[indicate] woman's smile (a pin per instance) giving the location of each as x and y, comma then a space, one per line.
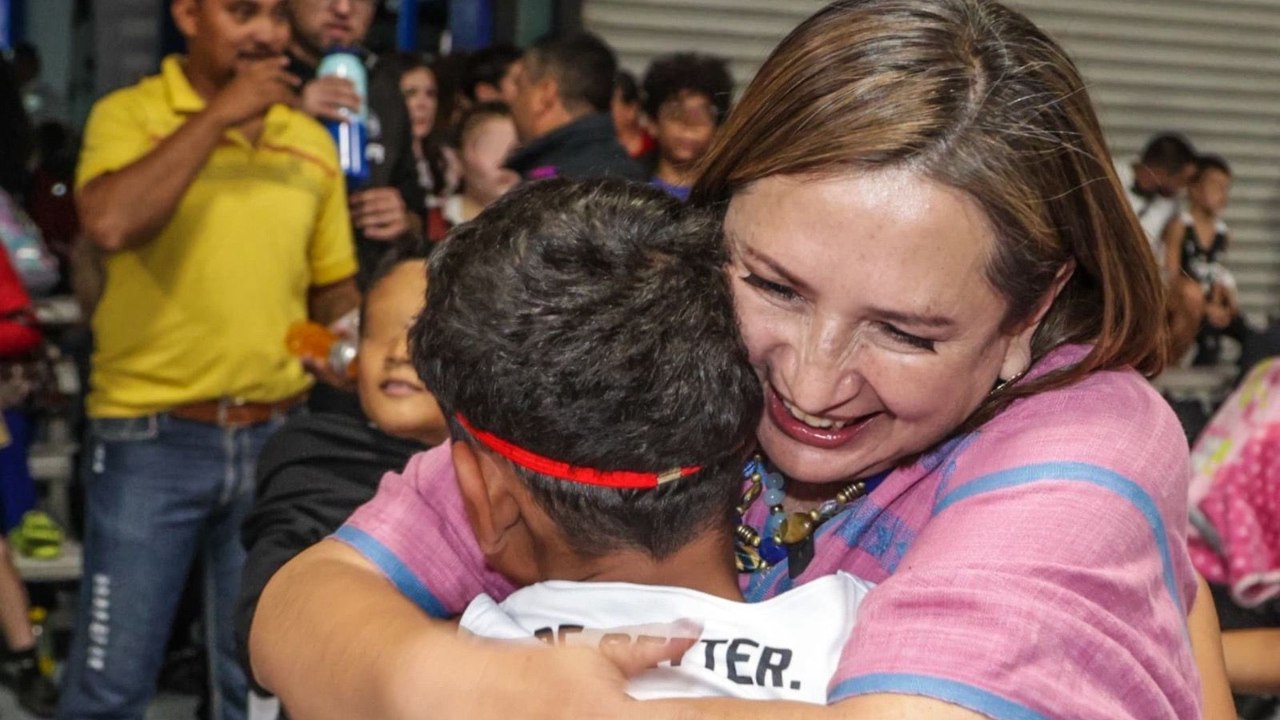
815, 430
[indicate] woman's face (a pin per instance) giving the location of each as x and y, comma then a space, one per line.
865, 307
484, 151
419, 88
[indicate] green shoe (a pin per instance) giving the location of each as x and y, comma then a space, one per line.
37, 536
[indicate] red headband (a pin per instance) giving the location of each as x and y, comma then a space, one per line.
564, 471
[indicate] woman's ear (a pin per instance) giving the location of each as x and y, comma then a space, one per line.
1017, 357
491, 509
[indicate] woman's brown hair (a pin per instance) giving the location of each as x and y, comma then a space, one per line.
972, 95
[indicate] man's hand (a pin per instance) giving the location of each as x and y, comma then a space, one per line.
379, 213
326, 97
257, 86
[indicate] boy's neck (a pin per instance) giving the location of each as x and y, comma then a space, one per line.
672, 174
705, 565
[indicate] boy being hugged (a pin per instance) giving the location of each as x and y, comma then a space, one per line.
581, 341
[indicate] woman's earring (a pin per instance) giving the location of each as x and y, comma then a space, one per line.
1006, 383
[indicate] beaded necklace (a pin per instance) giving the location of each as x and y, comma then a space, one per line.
785, 536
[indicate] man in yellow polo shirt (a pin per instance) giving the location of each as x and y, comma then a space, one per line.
224, 217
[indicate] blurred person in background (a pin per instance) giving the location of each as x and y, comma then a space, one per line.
1153, 184
489, 74
629, 120
1196, 241
686, 96
391, 205
421, 92
223, 217
486, 137
1235, 532
19, 336
561, 111
1155, 181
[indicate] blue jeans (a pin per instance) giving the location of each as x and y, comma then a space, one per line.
158, 491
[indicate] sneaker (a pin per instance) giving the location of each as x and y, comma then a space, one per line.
36, 692
37, 536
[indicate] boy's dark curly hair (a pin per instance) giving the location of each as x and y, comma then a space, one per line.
669, 75
592, 323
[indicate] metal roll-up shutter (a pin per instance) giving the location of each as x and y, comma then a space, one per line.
742, 31
1208, 68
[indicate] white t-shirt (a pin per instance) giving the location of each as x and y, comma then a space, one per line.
1153, 213
784, 648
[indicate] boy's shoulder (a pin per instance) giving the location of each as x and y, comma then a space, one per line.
783, 648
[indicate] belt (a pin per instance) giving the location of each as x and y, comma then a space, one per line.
233, 412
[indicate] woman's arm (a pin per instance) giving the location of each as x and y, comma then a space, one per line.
1253, 660
330, 634
1206, 642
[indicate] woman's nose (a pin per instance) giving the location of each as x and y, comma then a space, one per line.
826, 373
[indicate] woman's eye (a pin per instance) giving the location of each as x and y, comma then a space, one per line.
907, 338
781, 291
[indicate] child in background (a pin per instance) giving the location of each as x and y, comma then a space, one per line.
318, 468
686, 96
486, 136
1195, 243
582, 343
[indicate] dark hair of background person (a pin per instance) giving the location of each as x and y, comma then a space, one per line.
477, 114
969, 94
1170, 152
583, 66
406, 249
450, 96
624, 83
668, 75
592, 323
1210, 161
15, 134
488, 66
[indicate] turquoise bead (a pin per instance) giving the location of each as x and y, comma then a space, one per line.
774, 496
773, 523
774, 481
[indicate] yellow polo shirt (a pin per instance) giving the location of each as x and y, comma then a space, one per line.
201, 311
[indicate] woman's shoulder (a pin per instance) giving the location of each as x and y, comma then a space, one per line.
1111, 420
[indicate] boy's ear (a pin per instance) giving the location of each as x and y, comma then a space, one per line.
491, 508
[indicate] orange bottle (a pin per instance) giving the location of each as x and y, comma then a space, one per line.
313, 341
